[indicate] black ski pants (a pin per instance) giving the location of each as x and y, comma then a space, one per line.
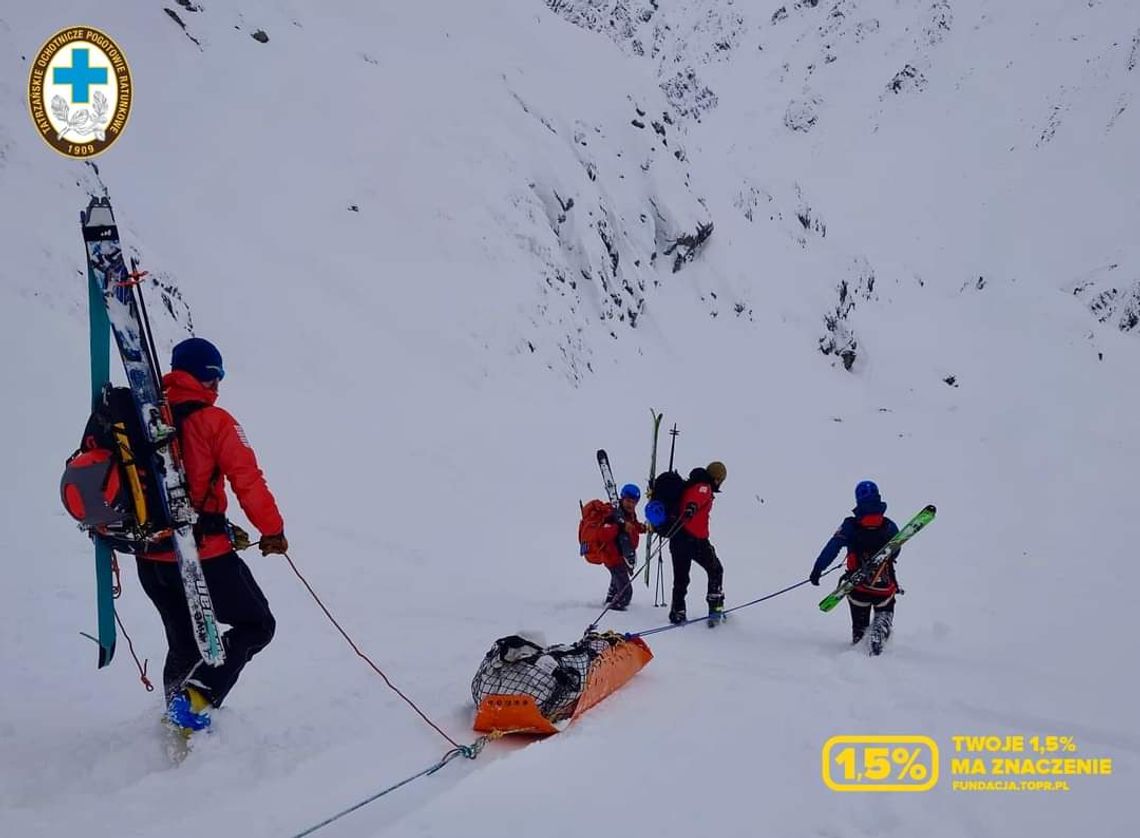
861, 603
238, 602
685, 550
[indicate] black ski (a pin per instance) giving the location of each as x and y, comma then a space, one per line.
627, 551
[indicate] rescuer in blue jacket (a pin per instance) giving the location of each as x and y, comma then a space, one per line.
863, 534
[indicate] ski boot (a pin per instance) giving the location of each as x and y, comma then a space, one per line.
188, 711
716, 609
676, 616
857, 635
880, 631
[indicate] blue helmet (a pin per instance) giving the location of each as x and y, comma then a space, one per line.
865, 491
630, 490
655, 513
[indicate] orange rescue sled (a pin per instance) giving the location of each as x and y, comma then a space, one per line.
520, 713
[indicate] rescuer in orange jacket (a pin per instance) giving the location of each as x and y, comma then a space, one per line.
214, 449
600, 538
621, 588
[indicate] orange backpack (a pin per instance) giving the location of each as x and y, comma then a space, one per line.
592, 542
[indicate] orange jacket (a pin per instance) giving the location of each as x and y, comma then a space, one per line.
214, 446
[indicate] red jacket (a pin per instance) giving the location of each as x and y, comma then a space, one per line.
612, 556
702, 495
214, 446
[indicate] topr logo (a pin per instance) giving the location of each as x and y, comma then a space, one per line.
80, 92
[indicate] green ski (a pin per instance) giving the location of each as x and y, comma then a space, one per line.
649, 486
886, 552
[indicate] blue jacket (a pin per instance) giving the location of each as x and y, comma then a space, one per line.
855, 538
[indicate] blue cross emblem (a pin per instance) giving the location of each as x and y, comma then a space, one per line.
79, 75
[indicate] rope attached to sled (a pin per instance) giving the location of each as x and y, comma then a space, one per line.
455, 745
469, 751
672, 626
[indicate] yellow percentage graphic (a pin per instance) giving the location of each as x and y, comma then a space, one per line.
1050, 744
880, 763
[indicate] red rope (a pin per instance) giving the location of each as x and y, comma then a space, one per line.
136, 278
361, 654
117, 586
131, 646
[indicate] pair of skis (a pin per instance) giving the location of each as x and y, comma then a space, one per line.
870, 568
116, 307
611, 491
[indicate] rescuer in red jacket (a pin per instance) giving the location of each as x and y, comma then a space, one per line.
691, 541
214, 449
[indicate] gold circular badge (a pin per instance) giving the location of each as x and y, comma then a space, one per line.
79, 92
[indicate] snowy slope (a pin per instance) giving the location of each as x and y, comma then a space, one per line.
425, 344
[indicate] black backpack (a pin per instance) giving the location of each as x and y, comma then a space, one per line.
107, 485
668, 488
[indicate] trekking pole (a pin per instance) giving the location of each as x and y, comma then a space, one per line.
659, 590
649, 486
673, 444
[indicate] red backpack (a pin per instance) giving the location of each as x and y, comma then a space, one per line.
593, 542
106, 484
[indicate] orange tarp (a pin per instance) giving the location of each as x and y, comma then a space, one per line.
608, 672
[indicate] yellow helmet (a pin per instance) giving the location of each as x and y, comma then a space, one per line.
717, 472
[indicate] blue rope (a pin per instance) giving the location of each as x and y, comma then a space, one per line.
470, 751
672, 626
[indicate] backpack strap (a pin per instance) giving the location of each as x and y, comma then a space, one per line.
209, 523
184, 410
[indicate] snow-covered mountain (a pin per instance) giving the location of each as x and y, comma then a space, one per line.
449, 249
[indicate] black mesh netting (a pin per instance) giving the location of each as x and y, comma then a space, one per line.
554, 675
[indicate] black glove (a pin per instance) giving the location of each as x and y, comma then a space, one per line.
690, 509
814, 578
273, 544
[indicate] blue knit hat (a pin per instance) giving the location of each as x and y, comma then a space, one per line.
198, 357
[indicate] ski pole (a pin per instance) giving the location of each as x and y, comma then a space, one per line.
659, 589
673, 444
